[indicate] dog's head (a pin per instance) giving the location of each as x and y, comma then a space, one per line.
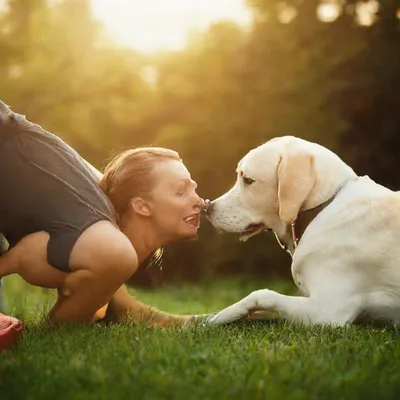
275, 182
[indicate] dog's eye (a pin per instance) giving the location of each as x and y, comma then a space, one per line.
248, 181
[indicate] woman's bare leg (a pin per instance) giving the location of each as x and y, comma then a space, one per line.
3, 300
101, 260
29, 259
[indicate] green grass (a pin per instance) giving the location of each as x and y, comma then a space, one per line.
239, 361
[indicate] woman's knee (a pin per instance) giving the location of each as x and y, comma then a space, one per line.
121, 257
104, 249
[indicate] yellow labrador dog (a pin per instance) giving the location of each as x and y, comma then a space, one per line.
342, 231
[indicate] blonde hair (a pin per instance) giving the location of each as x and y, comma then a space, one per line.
129, 174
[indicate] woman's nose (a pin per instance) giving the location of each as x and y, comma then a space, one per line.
200, 204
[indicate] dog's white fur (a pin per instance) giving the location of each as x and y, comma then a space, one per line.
347, 263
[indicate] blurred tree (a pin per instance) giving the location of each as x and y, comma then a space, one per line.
67, 79
371, 104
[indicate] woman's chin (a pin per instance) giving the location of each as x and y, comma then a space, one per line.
189, 233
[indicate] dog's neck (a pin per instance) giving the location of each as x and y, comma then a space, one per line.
300, 224
304, 218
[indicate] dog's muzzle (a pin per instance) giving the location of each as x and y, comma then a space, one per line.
208, 207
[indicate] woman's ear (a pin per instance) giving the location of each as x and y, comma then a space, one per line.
140, 206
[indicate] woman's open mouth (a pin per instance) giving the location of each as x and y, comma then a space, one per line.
193, 220
251, 230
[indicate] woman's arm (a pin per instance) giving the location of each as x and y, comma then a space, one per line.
123, 307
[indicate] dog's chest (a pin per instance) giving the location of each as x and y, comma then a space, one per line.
300, 281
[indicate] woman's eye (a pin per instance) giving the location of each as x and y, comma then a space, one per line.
248, 181
180, 194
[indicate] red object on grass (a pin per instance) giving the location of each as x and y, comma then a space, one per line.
10, 330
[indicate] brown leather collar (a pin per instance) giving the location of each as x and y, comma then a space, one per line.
304, 218
300, 224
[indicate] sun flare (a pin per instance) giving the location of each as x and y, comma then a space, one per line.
152, 25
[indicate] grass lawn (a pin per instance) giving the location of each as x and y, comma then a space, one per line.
239, 361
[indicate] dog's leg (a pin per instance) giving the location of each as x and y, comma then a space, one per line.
294, 308
260, 300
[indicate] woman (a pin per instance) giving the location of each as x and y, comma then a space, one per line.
86, 240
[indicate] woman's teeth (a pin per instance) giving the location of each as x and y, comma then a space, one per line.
192, 220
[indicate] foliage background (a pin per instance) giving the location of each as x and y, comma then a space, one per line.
228, 91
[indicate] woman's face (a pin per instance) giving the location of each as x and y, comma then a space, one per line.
175, 205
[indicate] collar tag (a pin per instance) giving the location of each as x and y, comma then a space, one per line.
294, 237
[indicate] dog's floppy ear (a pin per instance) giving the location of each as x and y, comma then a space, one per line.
296, 177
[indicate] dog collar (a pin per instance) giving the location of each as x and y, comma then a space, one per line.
300, 224
304, 218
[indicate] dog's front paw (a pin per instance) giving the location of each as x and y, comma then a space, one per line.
224, 316
212, 319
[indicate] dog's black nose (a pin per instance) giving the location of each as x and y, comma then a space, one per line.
208, 206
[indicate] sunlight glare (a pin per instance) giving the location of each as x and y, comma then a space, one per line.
3, 6
152, 25
328, 11
367, 12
